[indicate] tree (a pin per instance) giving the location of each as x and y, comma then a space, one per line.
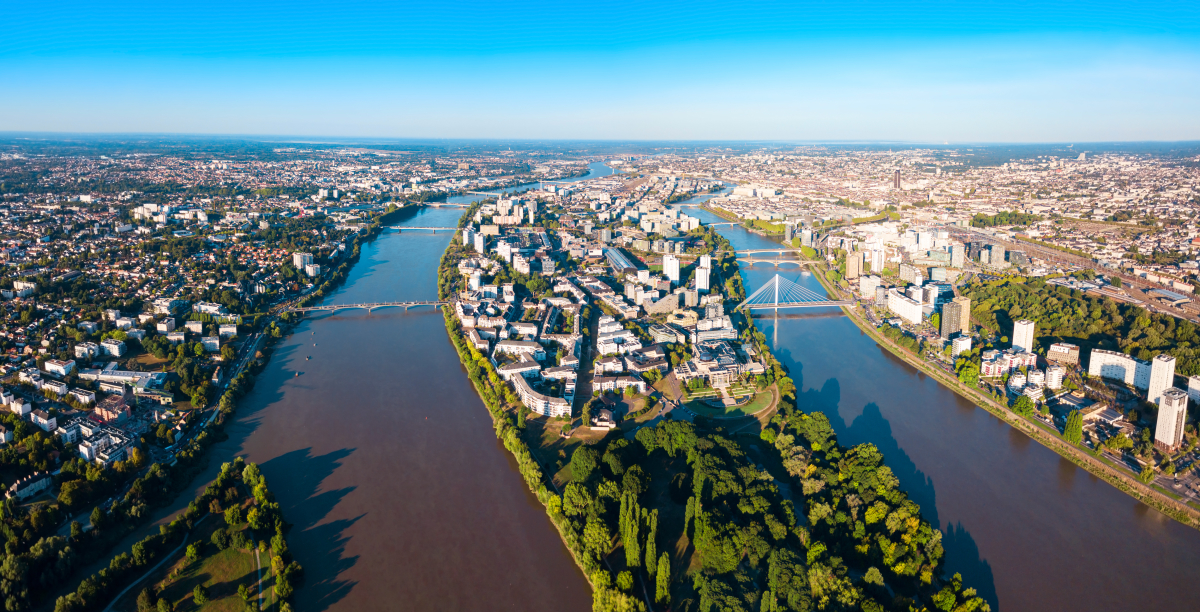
662, 580
200, 595
583, 463
193, 552
147, 600
165, 606
1073, 432
1023, 406
98, 517
625, 581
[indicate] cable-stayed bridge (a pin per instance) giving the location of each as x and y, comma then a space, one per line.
780, 292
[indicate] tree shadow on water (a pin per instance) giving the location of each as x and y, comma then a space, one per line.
319, 546
962, 553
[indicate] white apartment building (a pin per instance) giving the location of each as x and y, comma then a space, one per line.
59, 368
867, 284
1193, 389
1054, 377
1162, 377
1022, 339
113, 347
544, 405
299, 260
961, 345
905, 307
86, 350
1172, 410
1119, 366
671, 267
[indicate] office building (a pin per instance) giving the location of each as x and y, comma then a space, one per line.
1168, 432
1162, 377
996, 256
671, 267
956, 317
1022, 339
958, 255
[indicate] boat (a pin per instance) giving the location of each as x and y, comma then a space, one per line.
307, 358
297, 373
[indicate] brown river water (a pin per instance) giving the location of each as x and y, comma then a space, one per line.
384, 459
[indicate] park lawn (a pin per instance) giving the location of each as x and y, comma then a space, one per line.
662, 386
147, 359
551, 450
220, 571
760, 401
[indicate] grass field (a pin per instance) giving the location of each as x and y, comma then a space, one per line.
760, 401
220, 571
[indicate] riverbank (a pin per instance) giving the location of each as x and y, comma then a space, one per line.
728, 216
1098, 466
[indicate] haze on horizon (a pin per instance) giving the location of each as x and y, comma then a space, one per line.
941, 72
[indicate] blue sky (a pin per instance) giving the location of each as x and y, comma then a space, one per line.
926, 72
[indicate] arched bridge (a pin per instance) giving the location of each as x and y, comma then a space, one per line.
365, 306
777, 262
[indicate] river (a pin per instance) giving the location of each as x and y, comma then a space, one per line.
1027, 528
595, 170
383, 458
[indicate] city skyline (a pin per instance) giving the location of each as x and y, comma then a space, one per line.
876, 73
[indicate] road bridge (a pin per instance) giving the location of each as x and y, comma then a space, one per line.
368, 306
777, 262
431, 229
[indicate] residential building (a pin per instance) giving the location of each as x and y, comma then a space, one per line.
956, 317
30, 486
1063, 353
113, 347
42, 419
1162, 377
1022, 340
539, 403
1119, 366
1193, 389
299, 260
86, 350
167, 325
1054, 377
1172, 410
961, 345
905, 307
854, 265
59, 368
211, 344
671, 268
